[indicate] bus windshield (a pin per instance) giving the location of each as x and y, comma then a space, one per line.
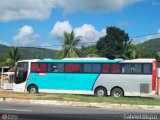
21, 72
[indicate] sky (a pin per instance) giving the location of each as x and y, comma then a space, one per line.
43, 22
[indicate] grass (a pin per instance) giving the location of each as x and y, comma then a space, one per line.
81, 98
122, 100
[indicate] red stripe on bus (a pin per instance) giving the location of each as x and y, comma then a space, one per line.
154, 72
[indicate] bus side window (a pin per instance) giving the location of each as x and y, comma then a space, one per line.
87, 68
115, 68
54, 67
96, 68
39, 67
60, 67
34, 67
92, 68
42, 68
147, 68
132, 68
138, 68
73, 67
127, 68
105, 68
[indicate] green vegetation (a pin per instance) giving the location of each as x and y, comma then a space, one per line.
82, 98
69, 49
13, 56
150, 45
115, 44
150, 48
89, 50
3, 53
133, 51
123, 100
26, 53
38, 53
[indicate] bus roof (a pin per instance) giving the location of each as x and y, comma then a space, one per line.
143, 60
91, 60
30, 60
82, 61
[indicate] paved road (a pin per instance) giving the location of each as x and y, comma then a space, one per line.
45, 112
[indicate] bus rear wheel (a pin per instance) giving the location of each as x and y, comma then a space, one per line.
33, 89
117, 92
100, 92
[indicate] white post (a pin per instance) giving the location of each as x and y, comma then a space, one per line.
158, 81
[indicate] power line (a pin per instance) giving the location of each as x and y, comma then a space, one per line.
146, 35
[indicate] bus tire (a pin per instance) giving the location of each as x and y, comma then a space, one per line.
117, 92
33, 89
100, 92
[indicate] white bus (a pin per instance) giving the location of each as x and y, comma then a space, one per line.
99, 77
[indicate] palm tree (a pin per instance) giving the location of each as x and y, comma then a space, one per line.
69, 48
13, 55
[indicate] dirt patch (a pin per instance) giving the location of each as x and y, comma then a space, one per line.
11, 94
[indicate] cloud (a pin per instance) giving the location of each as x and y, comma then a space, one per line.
87, 32
25, 37
93, 5
139, 40
60, 27
28, 9
42, 9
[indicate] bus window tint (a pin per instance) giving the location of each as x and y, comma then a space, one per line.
105, 68
34, 67
92, 68
147, 68
39, 67
138, 68
132, 68
115, 68
54, 67
60, 67
43, 67
96, 68
127, 68
73, 68
87, 68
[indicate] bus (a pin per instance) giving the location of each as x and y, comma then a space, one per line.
88, 76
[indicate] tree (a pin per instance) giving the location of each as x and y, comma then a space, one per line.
13, 56
89, 50
133, 51
69, 49
114, 44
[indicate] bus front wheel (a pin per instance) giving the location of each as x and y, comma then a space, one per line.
33, 89
100, 92
117, 92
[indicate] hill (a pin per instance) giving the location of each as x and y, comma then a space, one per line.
3, 52
29, 53
151, 45
149, 48
32, 53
